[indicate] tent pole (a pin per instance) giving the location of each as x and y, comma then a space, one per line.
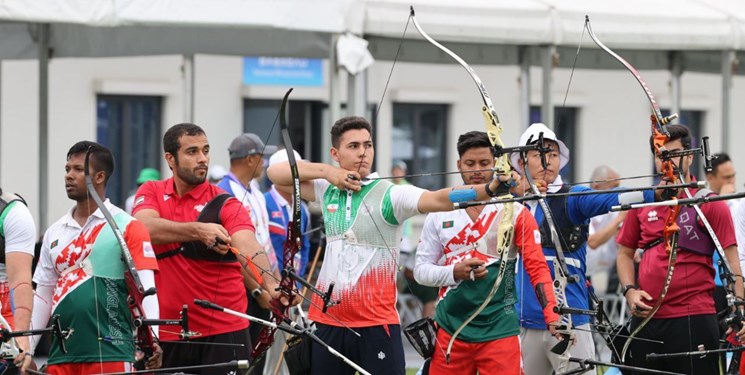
524, 80
676, 71
547, 109
357, 94
334, 98
728, 58
43, 56
187, 71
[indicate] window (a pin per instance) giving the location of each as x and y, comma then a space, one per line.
130, 127
692, 120
418, 136
565, 125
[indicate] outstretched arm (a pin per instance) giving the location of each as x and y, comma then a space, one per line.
281, 175
439, 200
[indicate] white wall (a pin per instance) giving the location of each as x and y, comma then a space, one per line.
613, 111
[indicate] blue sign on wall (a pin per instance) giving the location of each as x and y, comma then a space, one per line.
282, 71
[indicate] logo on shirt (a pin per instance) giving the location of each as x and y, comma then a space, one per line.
147, 249
447, 224
54, 244
652, 216
688, 228
537, 236
199, 207
381, 356
165, 197
276, 214
331, 208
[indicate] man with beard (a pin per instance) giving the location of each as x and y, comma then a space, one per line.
686, 320
453, 244
80, 275
362, 214
193, 226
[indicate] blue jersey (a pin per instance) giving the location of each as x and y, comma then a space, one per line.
579, 210
279, 217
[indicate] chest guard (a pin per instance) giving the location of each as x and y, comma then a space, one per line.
196, 249
571, 235
5, 200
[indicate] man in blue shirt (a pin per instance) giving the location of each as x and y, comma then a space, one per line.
571, 217
279, 209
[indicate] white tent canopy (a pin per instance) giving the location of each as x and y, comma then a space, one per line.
93, 28
90, 28
628, 24
493, 32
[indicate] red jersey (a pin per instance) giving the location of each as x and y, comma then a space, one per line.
692, 287
182, 279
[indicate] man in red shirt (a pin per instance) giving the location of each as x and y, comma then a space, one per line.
687, 318
193, 257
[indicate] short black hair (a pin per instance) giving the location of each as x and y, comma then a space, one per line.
171, 142
717, 160
101, 159
345, 124
676, 132
473, 139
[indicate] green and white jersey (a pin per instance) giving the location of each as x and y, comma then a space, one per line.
362, 231
90, 296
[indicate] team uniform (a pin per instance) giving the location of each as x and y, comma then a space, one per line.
489, 343
571, 215
280, 215
362, 260
182, 279
687, 316
83, 267
18, 234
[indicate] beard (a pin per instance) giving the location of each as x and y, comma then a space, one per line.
77, 195
188, 176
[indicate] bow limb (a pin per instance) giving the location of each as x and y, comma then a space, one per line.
505, 228
145, 337
660, 136
286, 284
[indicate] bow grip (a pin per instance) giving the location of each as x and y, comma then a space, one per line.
562, 346
327, 297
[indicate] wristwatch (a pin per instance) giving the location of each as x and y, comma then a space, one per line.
256, 293
629, 287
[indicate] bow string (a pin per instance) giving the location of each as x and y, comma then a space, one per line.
660, 136
505, 228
